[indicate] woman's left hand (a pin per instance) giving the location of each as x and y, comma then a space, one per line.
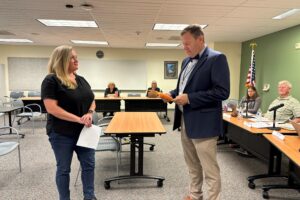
87, 119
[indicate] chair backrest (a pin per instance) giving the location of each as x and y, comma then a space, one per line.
134, 95
34, 94
17, 103
16, 94
95, 118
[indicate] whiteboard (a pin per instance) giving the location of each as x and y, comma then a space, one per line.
28, 73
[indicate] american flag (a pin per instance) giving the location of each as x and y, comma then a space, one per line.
251, 73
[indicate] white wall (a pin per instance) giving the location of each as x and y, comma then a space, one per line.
154, 60
233, 53
2, 82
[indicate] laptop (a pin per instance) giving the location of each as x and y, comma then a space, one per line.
296, 126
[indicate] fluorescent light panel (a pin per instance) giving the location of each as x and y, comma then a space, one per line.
173, 27
286, 14
89, 42
68, 23
162, 45
16, 40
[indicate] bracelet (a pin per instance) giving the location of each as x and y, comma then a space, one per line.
91, 111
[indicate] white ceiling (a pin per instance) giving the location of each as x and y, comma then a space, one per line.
120, 20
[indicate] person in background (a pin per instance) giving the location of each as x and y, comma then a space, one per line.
291, 108
69, 101
111, 90
150, 91
202, 86
254, 101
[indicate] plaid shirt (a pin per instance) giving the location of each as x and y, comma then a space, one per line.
290, 110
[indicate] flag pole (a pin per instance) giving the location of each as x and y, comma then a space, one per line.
252, 45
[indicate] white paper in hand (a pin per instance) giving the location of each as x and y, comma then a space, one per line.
89, 137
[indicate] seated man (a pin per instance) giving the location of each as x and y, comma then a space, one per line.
150, 91
291, 108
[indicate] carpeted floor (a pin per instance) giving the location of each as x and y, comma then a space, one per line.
36, 181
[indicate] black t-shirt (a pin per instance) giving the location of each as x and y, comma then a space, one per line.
107, 91
150, 88
76, 101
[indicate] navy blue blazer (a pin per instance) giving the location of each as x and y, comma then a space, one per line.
207, 86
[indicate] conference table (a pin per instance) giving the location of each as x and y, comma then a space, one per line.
253, 140
132, 104
249, 138
108, 104
290, 147
137, 126
146, 104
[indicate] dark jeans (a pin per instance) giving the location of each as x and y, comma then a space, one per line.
63, 148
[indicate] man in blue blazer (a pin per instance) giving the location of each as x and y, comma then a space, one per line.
202, 86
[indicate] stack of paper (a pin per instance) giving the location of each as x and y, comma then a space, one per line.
258, 124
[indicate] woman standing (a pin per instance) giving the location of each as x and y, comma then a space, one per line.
69, 101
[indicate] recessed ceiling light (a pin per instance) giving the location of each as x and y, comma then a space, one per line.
87, 6
162, 45
69, 6
16, 40
68, 23
173, 27
89, 42
286, 14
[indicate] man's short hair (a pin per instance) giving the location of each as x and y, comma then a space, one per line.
285, 82
195, 30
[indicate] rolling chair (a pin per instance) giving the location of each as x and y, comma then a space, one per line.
27, 112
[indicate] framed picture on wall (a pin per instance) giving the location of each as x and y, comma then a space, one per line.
171, 69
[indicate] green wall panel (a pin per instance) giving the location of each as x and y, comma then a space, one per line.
276, 60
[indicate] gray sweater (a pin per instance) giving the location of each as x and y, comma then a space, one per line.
253, 105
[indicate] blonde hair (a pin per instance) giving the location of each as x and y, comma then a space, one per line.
285, 82
59, 64
111, 83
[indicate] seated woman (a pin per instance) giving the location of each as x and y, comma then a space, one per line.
254, 101
111, 90
150, 91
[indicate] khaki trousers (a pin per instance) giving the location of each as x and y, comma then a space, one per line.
201, 158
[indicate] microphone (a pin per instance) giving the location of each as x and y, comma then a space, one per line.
276, 107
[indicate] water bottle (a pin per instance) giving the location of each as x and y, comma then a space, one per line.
240, 113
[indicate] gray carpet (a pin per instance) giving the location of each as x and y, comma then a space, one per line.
36, 181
